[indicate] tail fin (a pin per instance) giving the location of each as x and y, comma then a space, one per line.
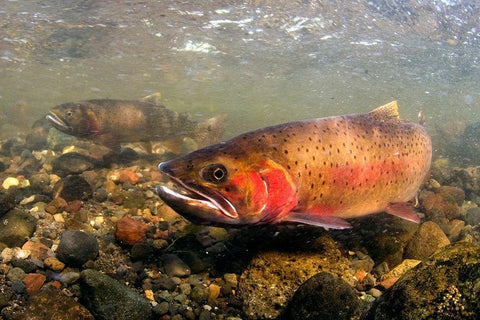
210, 131
421, 118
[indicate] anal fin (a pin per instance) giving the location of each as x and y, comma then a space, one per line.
328, 222
403, 210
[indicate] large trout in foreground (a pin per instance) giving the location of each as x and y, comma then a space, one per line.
316, 172
112, 122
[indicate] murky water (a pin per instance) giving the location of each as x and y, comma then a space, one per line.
260, 62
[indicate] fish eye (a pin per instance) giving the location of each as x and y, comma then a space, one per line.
69, 113
214, 173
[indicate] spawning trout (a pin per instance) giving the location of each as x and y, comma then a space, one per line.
317, 172
112, 122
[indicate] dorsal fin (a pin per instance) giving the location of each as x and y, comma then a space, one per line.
386, 112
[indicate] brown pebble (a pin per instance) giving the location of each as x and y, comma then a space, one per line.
37, 249
74, 206
128, 176
56, 205
33, 282
388, 282
54, 264
130, 231
213, 292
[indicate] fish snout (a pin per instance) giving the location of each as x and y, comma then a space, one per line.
165, 168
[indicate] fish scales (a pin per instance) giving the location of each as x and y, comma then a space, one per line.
316, 171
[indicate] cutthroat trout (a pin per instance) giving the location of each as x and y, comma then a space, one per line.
316, 172
112, 122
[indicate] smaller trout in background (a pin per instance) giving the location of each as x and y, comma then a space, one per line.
113, 122
319, 172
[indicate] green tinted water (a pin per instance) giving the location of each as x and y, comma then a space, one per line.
258, 62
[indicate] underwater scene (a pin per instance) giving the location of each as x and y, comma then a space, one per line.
232, 160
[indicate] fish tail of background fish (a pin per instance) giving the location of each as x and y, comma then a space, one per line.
210, 131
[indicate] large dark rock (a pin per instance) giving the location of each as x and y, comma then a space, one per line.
107, 299
7, 203
446, 286
15, 227
76, 248
73, 188
323, 296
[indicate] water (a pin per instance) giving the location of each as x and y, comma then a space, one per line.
260, 62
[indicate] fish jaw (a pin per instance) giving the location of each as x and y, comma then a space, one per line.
196, 203
59, 123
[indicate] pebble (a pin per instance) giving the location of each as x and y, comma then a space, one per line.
69, 277
230, 279
72, 163
473, 216
7, 203
110, 300
323, 296
426, 240
36, 248
399, 270
174, 266
213, 292
374, 292
128, 176
10, 182
199, 294
76, 248
131, 231
33, 282
16, 274
73, 187
162, 308
52, 304
16, 226
54, 264
58, 204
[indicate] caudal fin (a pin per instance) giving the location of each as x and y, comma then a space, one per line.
210, 131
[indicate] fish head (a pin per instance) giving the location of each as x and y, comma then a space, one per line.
211, 186
75, 118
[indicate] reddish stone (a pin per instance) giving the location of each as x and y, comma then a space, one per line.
33, 282
130, 231
56, 205
74, 206
387, 283
37, 249
128, 176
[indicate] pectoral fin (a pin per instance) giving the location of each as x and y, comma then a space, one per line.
328, 222
403, 210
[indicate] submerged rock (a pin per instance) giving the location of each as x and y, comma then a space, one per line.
109, 300
444, 287
76, 248
323, 296
15, 227
272, 277
72, 188
428, 239
51, 304
72, 163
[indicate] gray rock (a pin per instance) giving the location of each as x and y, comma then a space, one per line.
16, 274
446, 286
76, 248
51, 304
473, 216
72, 163
15, 227
199, 294
175, 267
426, 240
323, 296
109, 300
162, 308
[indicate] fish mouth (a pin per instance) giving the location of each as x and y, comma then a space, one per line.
196, 203
58, 122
